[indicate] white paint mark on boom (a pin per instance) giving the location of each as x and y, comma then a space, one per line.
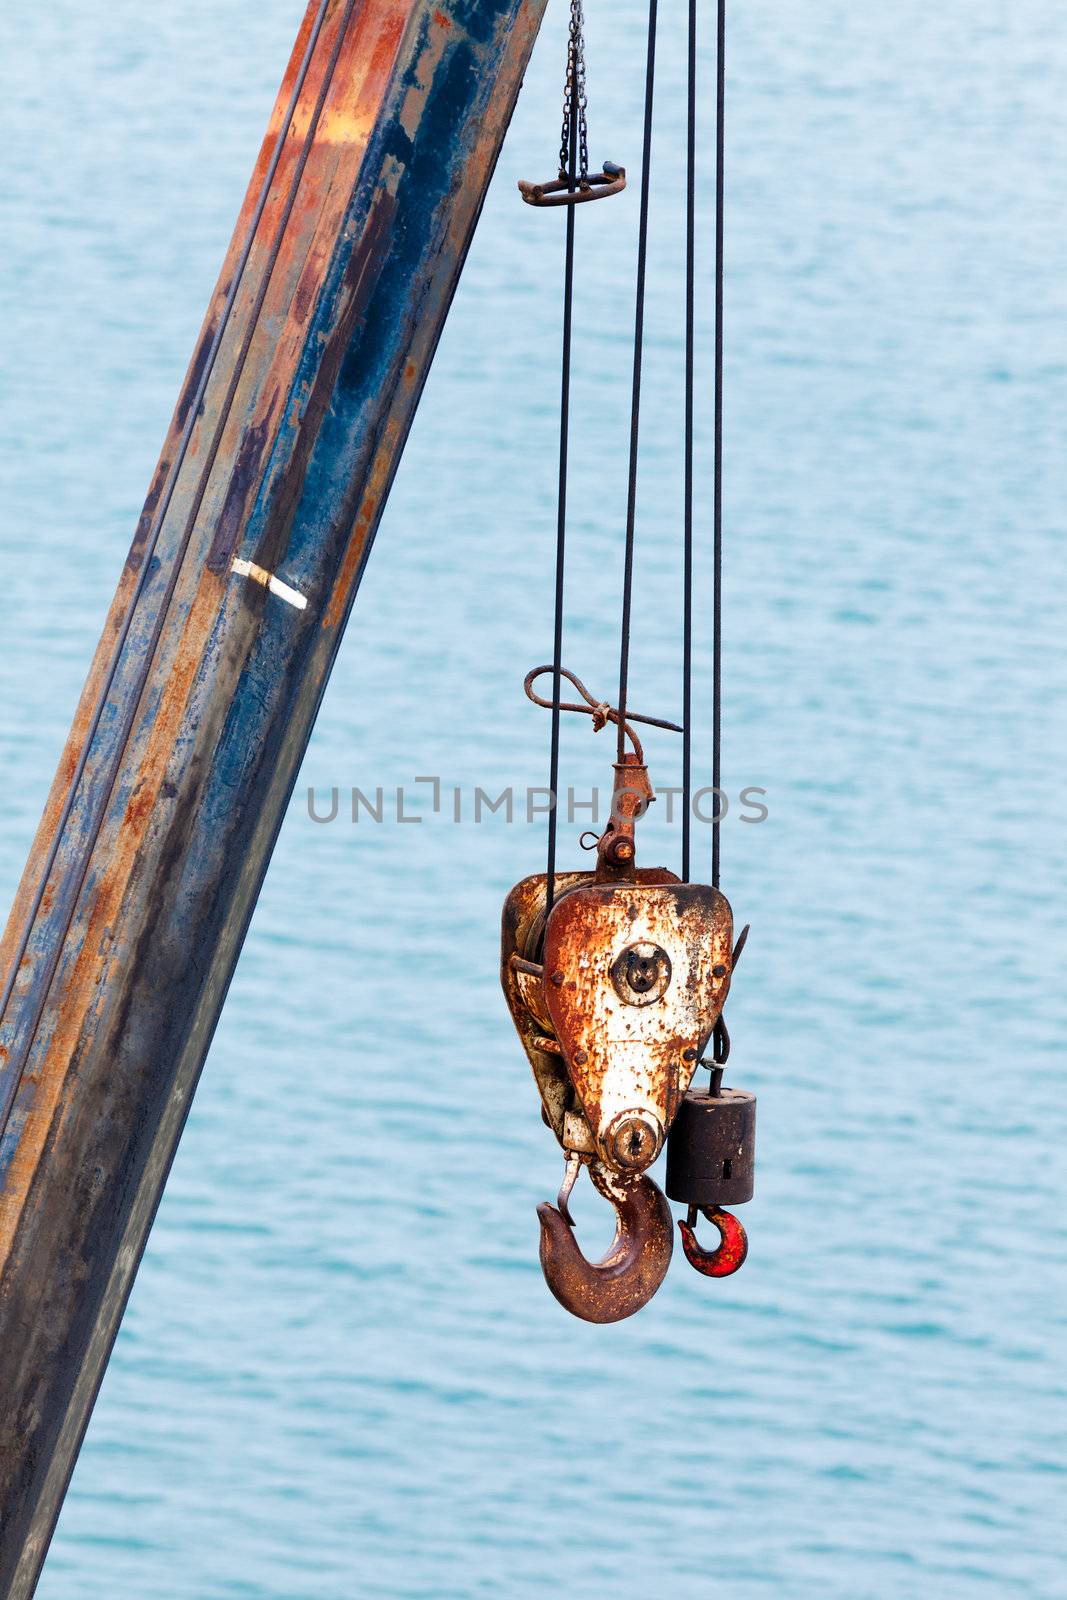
248, 569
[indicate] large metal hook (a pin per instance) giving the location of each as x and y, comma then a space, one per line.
731, 1250
629, 1274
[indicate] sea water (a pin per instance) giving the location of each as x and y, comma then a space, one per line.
341, 1374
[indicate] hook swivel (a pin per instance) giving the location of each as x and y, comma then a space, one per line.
731, 1250
636, 1263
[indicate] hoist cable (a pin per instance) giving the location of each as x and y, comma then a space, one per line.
690, 326
716, 642
635, 399
148, 566
575, 121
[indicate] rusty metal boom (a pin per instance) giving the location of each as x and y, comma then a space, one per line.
214, 658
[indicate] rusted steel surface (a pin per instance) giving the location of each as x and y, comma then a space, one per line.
632, 791
615, 995
204, 688
616, 991
631, 796
644, 972
522, 940
558, 191
633, 1268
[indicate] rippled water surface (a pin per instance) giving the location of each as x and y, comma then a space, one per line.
341, 1373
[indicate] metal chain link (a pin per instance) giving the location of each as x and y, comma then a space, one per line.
574, 97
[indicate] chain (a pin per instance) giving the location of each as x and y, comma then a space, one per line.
574, 98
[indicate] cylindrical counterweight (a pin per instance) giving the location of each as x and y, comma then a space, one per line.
711, 1149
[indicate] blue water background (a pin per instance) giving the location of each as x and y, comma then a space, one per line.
341, 1374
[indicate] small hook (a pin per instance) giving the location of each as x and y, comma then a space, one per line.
731, 1250
570, 1176
629, 1274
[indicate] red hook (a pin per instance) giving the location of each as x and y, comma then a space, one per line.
731, 1250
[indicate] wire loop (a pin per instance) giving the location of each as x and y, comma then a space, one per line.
599, 710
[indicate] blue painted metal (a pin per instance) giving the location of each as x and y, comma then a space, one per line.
205, 686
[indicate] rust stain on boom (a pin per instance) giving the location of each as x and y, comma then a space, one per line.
214, 657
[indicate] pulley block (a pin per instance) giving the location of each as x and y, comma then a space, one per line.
616, 979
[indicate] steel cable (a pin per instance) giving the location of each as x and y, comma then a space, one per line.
635, 399
690, 331
716, 644
690, 327
575, 85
